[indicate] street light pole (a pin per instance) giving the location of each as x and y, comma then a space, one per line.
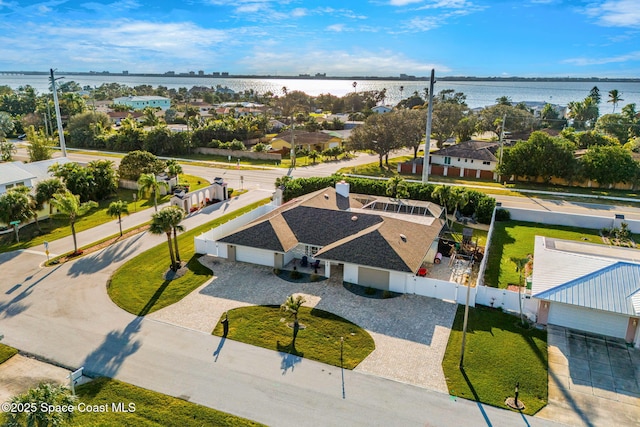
63, 147
427, 139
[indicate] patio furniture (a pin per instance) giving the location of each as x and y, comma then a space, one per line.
315, 264
304, 261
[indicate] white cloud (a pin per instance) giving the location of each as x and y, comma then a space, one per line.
615, 13
403, 2
631, 56
383, 62
336, 28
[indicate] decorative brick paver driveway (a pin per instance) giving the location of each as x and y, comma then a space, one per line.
410, 332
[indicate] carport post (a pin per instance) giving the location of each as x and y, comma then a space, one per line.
464, 325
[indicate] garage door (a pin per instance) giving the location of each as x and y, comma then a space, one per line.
586, 319
378, 279
254, 256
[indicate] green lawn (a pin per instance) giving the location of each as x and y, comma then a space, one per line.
267, 326
151, 408
138, 286
57, 228
6, 353
515, 239
499, 353
374, 169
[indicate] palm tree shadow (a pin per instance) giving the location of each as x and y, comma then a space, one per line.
290, 356
154, 298
108, 357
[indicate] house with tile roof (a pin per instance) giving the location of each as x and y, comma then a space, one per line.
589, 287
376, 240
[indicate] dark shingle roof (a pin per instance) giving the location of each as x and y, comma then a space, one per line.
322, 219
476, 150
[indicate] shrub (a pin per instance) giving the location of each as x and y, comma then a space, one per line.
314, 277
237, 145
370, 291
259, 147
276, 271
387, 294
503, 215
214, 143
485, 208
229, 191
295, 274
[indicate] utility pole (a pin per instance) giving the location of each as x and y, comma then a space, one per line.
427, 140
504, 120
63, 147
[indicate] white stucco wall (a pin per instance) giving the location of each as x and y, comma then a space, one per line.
350, 273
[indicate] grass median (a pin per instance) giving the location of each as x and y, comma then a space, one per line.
499, 353
318, 338
138, 286
6, 353
149, 408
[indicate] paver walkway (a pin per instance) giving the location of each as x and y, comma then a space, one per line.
410, 332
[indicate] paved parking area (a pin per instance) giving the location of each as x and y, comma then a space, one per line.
410, 332
593, 380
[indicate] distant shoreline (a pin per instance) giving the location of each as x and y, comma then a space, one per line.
325, 77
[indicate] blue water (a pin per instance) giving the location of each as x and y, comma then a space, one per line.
479, 94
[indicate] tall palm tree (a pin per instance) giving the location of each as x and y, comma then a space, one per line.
174, 168
292, 305
68, 204
161, 222
177, 215
147, 183
117, 209
615, 97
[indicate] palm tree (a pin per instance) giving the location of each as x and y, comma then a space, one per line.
459, 199
174, 168
313, 155
161, 222
292, 305
117, 209
614, 98
46, 189
68, 204
177, 215
15, 206
397, 188
39, 399
147, 183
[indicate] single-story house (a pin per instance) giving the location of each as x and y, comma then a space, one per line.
589, 287
375, 239
118, 116
381, 109
471, 159
17, 173
318, 141
141, 102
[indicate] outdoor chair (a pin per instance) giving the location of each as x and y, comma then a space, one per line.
304, 261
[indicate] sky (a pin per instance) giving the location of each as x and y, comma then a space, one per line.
486, 38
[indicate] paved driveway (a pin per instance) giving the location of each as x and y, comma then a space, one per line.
410, 332
593, 380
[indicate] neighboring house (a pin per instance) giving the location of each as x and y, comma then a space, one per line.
141, 102
470, 159
28, 174
376, 240
381, 109
589, 287
318, 141
117, 116
13, 175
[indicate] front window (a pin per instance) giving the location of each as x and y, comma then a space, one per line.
311, 251
447, 160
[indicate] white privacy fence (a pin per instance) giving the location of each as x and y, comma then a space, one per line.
206, 242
